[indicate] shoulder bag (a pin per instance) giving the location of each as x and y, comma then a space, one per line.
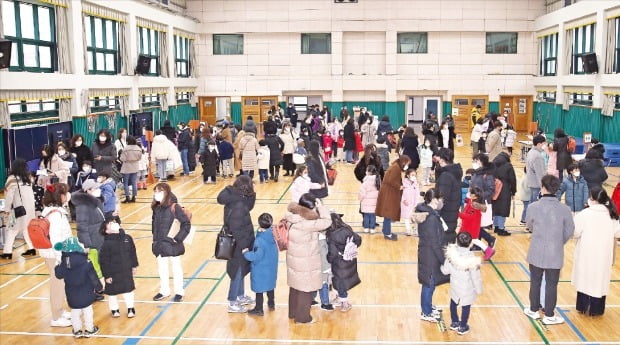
19, 211
225, 243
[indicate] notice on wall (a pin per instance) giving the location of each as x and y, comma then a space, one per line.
455, 112
522, 106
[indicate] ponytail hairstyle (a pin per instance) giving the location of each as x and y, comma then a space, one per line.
599, 195
430, 194
372, 171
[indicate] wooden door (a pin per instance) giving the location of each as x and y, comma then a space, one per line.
250, 106
207, 109
523, 111
266, 102
464, 104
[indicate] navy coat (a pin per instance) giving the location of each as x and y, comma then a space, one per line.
430, 245
117, 258
161, 222
264, 262
81, 280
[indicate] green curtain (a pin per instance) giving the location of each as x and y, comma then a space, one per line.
3, 167
446, 108
494, 107
394, 110
235, 112
182, 113
80, 126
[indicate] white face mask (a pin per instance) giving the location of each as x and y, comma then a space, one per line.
368, 122
427, 144
158, 196
96, 192
305, 176
86, 169
78, 143
436, 204
103, 139
61, 152
475, 165
412, 178
124, 135
115, 227
576, 173
590, 203
211, 147
406, 167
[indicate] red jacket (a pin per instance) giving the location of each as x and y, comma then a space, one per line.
327, 143
358, 142
471, 218
340, 142
615, 197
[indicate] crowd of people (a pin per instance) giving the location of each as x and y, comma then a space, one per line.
74, 181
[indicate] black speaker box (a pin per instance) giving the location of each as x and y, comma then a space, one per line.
5, 53
589, 63
144, 65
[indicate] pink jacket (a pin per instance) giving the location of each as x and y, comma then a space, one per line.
410, 198
368, 195
551, 166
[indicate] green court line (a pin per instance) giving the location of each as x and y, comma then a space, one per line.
514, 295
202, 304
283, 193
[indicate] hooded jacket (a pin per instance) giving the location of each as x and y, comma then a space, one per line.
345, 272
410, 149
576, 190
264, 262
593, 172
449, 185
80, 277
248, 149
303, 256
168, 131
276, 146
471, 217
464, 270
161, 222
89, 216
131, 156
368, 194
430, 245
117, 259
484, 178
506, 173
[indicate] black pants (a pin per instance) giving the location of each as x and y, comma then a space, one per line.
288, 164
299, 303
552, 276
259, 300
274, 170
486, 236
595, 305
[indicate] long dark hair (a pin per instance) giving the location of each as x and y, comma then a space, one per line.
369, 153
314, 149
432, 193
372, 170
337, 223
162, 187
49, 152
243, 184
599, 195
308, 201
53, 194
19, 169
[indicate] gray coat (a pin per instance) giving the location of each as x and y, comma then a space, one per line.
108, 155
89, 216
464, 270
131, 156
551, 223
536, 168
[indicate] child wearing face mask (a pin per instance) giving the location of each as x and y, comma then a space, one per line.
426, 162
263, 161
302, 184
576, 189
368, 194
87, 173
143, 167
340, 143
409, 200
119, 262
209, 160
471, 217
108, 191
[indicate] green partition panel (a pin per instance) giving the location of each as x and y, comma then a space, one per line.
446, 108
494, 107
235, 112
80, 126
3, 167
182, 113
394, 110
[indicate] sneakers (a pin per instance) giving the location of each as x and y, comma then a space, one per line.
492, 242
245, 300
345, 306
336, 302
408, 233
327, 307
116, 313
177, 298
523, 223
552, 320
391, 237
463, 330
66, 315
532, 314
306, 323
502, 232
159, 297
488, 253
92, 332
131, 312
256, 312
78, 334
429, 318
271, 307
367, 230
314, 303
236, 308
455, 326
61, 322
372, 231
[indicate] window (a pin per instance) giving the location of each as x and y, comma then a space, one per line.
502, 42
549, 54
101, 104
583, 43
181, 56
412, 43
150, 100
546, 96
31, 29
26, 112
316, 43
461, 101
182, 97
581, 99
227, 44
149, 46
102, 45
617, 69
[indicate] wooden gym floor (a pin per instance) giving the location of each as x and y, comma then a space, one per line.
385, 306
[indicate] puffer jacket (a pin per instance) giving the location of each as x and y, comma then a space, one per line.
289, 141
449, 184
368, 195
162, 148
593, 172
464, 270
564, 158
345, 275
506, 173
276, 146
303, 257
89, 216
80, 279
264, 262
576, 190
248, 148
484, 178
108, 154
117, 259
131, 156
161, 222
430, 245
471, 217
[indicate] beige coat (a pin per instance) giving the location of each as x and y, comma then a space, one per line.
237, 151
13, 200
303, 257
594, 251
248, 146
493, 144
57, 166
131, 156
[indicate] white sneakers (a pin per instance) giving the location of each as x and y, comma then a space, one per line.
547, 320
61, 322
366, 230
532, 314
66, 315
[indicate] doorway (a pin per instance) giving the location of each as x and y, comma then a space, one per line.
257, 107
213, 109
301, 104
419, 107
519, 110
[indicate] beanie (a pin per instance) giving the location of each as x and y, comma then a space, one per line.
69, 245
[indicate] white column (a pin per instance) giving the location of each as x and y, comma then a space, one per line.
390, 52
561, 63
171, 67
336, 53
134, 92
599, 49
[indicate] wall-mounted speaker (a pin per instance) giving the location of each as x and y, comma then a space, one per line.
144, 65
5, 53
590, 65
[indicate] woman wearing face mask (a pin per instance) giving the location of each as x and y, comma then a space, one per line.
390, 195
368, 132
168, 250
484, 178
80, 151
289, 140
430, 250
445, 136
302, 184
316, 169
104, 152
56, 196
68, 159
596, 231
53, 165
349, 140
131, 156
409, 146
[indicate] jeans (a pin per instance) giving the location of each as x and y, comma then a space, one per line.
184, 160
161, 169
552, 276
236, 287
369, 220
454, 314
130, 180
263, 175
524, 213
387, 226
323, 294
499, 222
534, 194
348, 155
486, 236
427, 297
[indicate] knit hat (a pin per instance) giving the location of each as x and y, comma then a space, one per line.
90, 184
69, 245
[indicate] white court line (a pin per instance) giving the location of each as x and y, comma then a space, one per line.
146, 302
19, 276
92, 336
33, 288
4, 306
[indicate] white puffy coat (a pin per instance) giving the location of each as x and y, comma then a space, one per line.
464, 270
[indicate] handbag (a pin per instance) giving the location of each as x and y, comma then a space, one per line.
298, 158
19, 211
225, 243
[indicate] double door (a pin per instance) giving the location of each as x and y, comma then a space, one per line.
257, 107
420, 107
519, 110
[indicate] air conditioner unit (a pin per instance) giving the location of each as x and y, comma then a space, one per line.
345, 1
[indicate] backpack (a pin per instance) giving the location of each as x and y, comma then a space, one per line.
350, 250
498, 188
187, 212
39, 232
331, 176
280, 234
572, 145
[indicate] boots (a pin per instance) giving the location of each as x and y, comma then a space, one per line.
275, 177
127, 200
133, 199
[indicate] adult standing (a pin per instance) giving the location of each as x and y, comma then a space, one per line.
446, 136
121, 142
505, 172
448, 183
476, 134
475, 114
316, 170
390, 195
484, 178
226, 133
368, 132
250, 125
349, 140
18, 193
384, 128
169, 131
80, 151
184, 141
326, 114
270, 126
248, 150
552, 226
303, 257
560, 146
238, 201
67, 157
104, 152
291, 113
344, 114
162, 150
535, 166
276, 146
288, 138
370, 158
409, 145
596, 228
237, 161
131, 156
53, 166
592, 169
493, 143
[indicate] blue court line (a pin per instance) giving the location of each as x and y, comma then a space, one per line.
134, 341
562, 313
527, 271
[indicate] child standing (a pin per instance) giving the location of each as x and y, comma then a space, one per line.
263, 161
327, 146
359, 147
81, 282
87, 173
368, 194
340, 143
302, 184
264, 262
511, 137
524, 194
226, 151
143, 168
108, 192
465, 280
383, 151
471, 218
465, 184
409, 200
119, 262
426, 161
576, 189
342, 255
209, 159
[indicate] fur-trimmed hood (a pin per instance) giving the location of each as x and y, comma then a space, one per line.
421, 212
80, 197
462, 258
297, 213
479, 206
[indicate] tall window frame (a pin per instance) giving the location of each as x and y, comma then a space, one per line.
617, 65
32, 110
316, 43
102, 45
150, 100
617, 102
107, 103
549, 55
149, 47
33, 48
412, 43
584, 99
228, 44
502, 42
181, 56
583, 43
182, 97
547, 96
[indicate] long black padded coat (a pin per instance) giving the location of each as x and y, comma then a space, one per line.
237, 217
344, 272
276, 146
161, 222
117, 258
506, 173
449, 185
430, 245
